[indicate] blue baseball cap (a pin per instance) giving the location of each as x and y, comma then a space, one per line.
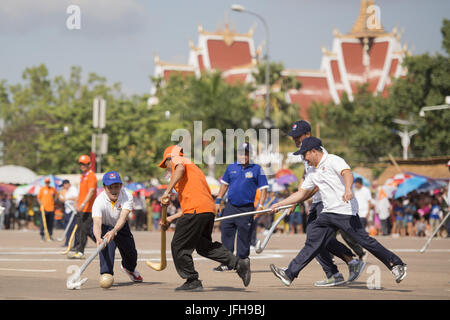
299, 128
111, 177
309, 144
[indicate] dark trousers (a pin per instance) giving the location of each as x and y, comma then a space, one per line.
193, 232
334, 246
124, 240
242, 225
323, 229
84, 222
49, 220
356, 247
140, 219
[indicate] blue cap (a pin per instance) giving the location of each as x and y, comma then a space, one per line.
299, 128
245, 147
111, 177
309, 144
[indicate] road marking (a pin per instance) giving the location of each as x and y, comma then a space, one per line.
28, 270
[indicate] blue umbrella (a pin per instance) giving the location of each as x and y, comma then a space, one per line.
409, 185
135, 186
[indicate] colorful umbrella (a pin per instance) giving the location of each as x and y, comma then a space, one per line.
409, 185
134, 186
7, 188
285, 176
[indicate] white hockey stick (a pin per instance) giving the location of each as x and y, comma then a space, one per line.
434, 233
74, 281
73, 214
251, 213
260, 247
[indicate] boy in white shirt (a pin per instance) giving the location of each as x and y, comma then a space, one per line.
109, 214
334, 179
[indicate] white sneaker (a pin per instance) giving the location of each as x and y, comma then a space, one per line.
134, 275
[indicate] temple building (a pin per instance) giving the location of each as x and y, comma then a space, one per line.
366, 54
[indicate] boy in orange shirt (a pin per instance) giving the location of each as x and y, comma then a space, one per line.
195, 223
86, 198
46, 199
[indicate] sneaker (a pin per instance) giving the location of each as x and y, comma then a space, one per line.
191, 285
335, 280
281, 274
222, 268
75, 255
243, 270
399, 272
134, 276
355, 270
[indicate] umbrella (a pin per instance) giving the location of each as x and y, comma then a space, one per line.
16, 174
285, 176
409, 185
134, 186
7, 188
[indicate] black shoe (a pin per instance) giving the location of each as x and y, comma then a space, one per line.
222, 268
243, 270
191, 285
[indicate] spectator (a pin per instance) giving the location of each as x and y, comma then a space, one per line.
421, 226
399, 224
46, 198
383, 209
156, 214
364, 198
139, 210
410, 209
435, 215
295, 220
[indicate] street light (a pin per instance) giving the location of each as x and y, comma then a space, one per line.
239, 8
432, 108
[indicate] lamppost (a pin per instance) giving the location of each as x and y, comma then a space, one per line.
405, 135
432, 108
267, 123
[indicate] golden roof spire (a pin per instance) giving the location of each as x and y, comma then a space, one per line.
368, 23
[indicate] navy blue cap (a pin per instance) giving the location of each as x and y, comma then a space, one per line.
358, 180
111, 177
309, 144
245, 147
299, 128
64, 182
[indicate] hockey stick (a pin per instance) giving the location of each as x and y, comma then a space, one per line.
72, 209
251, 212
74, 281
44, 225
260, 247
435, 231
161, 265
71, 240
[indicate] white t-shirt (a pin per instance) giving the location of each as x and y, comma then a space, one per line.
110, 212
72, 192
328, 178
308, 170
382, 208
363, 196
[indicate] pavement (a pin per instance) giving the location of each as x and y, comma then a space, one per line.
34, 270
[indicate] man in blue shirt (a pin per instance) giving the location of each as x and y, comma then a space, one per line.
241, 179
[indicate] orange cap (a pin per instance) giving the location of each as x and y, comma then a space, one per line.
171, 152
84, 159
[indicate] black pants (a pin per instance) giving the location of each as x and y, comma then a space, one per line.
243, 226
324, 228
193, 232
84, 222
125, 242
334, 246
49, 221
140, 219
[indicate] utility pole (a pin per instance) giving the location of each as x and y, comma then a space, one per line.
99, 140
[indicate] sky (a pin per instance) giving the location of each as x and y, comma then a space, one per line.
118, 39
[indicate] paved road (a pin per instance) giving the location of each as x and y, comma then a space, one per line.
31, 269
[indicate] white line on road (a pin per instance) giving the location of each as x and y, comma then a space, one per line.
28, 270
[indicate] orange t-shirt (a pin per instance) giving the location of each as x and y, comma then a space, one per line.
88, 181
46, 197
193, 191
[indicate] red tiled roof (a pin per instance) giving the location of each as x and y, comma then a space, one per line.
224, 57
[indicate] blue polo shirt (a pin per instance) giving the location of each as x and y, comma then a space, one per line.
243, 183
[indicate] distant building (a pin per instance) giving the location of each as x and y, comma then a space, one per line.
367, 54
